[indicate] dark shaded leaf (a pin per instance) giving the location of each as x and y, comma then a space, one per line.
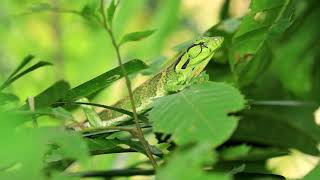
49, 96
250, 54
257, 176
286, 128
224, 12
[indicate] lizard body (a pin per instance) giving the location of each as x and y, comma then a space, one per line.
174, 77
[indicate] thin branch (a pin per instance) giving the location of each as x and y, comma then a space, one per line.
139, 132
115, 173
283, 103
31, 104
57, 35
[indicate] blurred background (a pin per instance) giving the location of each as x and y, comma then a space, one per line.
80, 50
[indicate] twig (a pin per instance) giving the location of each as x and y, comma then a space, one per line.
115, 173
139, 132
283, 103
32, 109
57, 37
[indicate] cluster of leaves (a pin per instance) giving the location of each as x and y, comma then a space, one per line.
204, 136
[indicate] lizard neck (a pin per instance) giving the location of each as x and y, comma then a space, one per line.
144, 94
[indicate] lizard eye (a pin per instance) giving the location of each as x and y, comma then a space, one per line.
184, 66
203, 45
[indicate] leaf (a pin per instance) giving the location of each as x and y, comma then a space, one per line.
91, 114
136, 36
24, 62
110, 12
198, 113
225, 10
70, 144
234, 152
189, 164
314, 174
28, 70
295, 57
90, 11
250, 53
49, 96
102, 81
30, 147
287, 128
6, 97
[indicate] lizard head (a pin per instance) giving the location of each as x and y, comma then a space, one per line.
196, 57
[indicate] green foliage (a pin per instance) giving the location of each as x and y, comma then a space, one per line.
217, 129
250, 53
297, 122
188, 165
26, 157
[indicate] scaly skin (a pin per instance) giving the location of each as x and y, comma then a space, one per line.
173, 78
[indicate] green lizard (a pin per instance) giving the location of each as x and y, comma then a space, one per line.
177, 75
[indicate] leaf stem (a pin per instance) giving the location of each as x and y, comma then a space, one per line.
115, 173
139, 133
32, 109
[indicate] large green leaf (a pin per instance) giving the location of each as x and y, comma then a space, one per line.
188, 164
198, 113
102, 81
